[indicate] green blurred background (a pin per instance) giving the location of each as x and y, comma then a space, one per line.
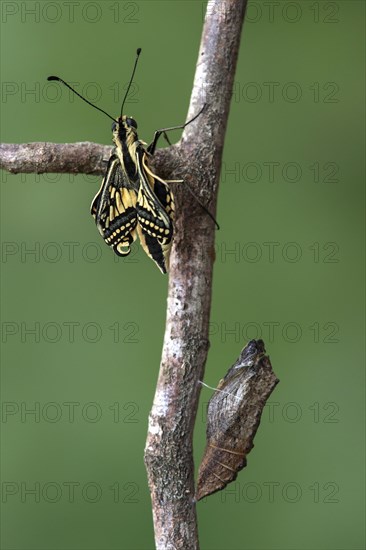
82, 333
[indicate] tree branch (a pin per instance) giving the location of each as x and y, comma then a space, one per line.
68, 158
63, 158
197, 159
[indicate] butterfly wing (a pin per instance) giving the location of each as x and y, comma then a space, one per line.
155, 213
114, 208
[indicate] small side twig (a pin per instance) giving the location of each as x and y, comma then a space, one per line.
40, 157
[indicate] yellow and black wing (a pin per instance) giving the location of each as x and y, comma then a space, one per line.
155, 213
114, 208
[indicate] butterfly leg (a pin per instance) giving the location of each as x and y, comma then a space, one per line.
166, 138
151, 148
199, 202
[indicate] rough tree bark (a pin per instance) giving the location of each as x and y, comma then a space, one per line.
197, 160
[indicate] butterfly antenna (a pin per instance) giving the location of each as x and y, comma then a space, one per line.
133, 74
77, 93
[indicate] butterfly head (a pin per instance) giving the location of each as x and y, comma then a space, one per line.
124, 129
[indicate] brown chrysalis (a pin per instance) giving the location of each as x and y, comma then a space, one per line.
233, 416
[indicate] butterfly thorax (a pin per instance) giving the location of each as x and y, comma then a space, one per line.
126, 141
